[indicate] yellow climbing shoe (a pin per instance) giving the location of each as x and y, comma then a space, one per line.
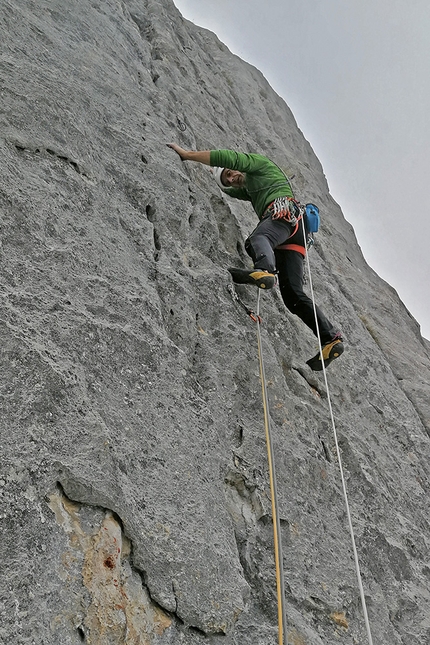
261, 279
331, 350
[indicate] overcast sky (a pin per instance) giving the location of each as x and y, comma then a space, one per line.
356, 75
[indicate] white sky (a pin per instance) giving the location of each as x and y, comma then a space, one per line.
356, 75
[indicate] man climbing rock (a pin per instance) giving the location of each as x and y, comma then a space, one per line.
277, 244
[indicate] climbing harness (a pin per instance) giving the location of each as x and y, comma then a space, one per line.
339, 458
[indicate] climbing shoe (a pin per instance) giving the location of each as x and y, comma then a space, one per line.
331, 350
259, 278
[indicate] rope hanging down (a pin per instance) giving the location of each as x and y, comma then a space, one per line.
279, 566
345, 493
279, 561
282, 619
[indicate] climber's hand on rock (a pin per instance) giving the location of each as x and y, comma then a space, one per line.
180, 151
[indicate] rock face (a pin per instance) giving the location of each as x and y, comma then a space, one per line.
134, 485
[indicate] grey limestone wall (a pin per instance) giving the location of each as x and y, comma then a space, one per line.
135, 501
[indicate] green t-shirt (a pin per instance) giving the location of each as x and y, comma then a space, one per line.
264, 181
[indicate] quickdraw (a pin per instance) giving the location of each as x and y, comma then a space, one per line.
255, 317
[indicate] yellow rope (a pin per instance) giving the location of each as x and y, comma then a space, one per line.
280, 587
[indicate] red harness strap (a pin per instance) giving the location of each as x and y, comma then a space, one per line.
293, 247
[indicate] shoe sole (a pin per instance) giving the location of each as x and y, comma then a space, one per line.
260, 279
316, 364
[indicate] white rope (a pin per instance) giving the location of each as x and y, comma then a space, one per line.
345, 494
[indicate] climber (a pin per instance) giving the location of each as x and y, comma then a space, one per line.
277, 244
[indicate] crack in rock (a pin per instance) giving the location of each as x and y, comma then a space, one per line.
39, 150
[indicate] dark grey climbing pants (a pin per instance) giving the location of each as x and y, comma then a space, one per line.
261, 246
263, 239
290, 266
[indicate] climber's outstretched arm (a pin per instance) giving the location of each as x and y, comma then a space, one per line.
202, 156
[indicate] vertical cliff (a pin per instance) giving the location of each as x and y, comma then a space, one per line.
135, 495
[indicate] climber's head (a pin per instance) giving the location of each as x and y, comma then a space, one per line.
227, 178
